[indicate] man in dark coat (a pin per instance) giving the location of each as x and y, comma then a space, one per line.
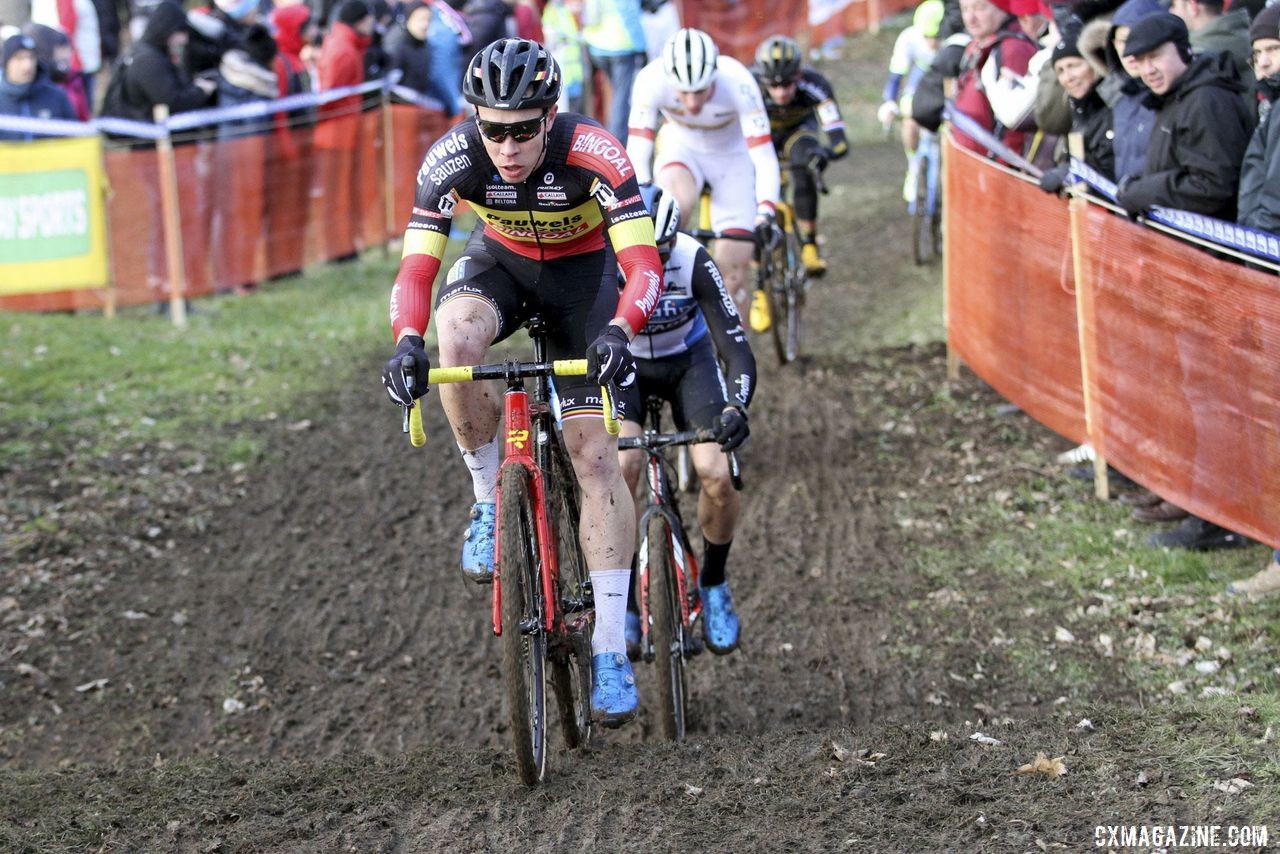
1201, 127
25, 90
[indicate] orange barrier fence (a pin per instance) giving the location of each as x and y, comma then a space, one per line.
1181, 348
255, 206
739, 25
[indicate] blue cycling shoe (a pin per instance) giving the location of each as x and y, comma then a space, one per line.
719, 620
614, 699
631, 631
477, 549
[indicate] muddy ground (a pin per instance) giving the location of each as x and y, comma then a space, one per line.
287, 660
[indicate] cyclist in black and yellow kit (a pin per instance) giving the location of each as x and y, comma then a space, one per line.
800, 102
548, 188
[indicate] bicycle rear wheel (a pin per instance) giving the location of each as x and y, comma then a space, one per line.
524, 642
668, 629
571, 665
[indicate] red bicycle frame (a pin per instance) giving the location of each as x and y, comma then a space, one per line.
519, 452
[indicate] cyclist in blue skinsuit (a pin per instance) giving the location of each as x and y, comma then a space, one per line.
676, 352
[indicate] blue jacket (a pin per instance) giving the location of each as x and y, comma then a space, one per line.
1130, 118
39, 99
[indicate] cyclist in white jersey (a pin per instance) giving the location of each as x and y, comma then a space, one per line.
716, 134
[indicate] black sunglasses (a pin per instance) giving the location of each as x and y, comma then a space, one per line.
519, 131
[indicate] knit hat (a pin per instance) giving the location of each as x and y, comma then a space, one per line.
260, 46
1154, 30
1266, 25
1068, 46
13, 44
353, 12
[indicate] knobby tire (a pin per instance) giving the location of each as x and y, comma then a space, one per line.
925, 228
523, 654
667, 628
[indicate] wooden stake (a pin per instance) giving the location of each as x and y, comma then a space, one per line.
388, 173
1079, 208
172, 222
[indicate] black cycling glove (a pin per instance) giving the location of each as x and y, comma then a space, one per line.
609, 359
393, 373
733, 430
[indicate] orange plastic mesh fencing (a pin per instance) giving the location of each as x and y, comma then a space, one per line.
738, 26
254, 207
1185, 350
1011, 308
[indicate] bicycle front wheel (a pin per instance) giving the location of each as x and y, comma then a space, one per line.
667, 629
776, 292
524, 642
925, 227
794, 295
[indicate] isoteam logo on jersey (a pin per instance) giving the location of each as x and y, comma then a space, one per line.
599, 145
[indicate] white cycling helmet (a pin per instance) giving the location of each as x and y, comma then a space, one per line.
689, 59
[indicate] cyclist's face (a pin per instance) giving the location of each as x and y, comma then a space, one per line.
693, 102
515, 160
1076, 75
782, 93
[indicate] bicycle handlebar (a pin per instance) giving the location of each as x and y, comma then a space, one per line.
653, 442
510, 371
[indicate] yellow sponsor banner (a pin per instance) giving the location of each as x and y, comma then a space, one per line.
53, 234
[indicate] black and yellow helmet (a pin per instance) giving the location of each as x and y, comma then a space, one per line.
512, 74
778, 60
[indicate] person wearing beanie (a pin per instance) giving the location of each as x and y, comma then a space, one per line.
1259, 204
407, 51
25, 90
55, 53
1090, 116
1201, 124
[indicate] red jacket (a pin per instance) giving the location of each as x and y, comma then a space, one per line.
1012, 50
341, 64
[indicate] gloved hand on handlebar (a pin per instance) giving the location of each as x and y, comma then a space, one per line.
609, 359
765, 219
887, 112
733, 430
394, 372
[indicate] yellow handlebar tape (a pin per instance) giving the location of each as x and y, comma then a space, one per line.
570, 367
611, 425
449, 375
417, 435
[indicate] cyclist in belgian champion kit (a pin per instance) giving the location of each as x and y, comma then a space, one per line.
547, 187
716, 134
800, 102
676, 359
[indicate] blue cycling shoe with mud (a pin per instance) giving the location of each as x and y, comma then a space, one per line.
614, 699
477, 549
719, 620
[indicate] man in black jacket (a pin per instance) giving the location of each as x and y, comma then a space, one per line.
151, 73
1201, 125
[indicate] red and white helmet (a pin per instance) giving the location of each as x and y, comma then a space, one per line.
689, 59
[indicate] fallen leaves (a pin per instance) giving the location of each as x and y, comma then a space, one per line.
985, 740
1051, 768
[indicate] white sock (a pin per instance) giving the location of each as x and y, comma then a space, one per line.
483, 465
610, 588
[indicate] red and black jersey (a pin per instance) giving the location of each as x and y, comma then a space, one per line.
583, 191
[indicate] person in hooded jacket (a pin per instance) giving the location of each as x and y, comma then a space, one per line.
25, 89
216, 30
53, 49
1201, 124
150, 74
1259, 201
342, 64
1102, 43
